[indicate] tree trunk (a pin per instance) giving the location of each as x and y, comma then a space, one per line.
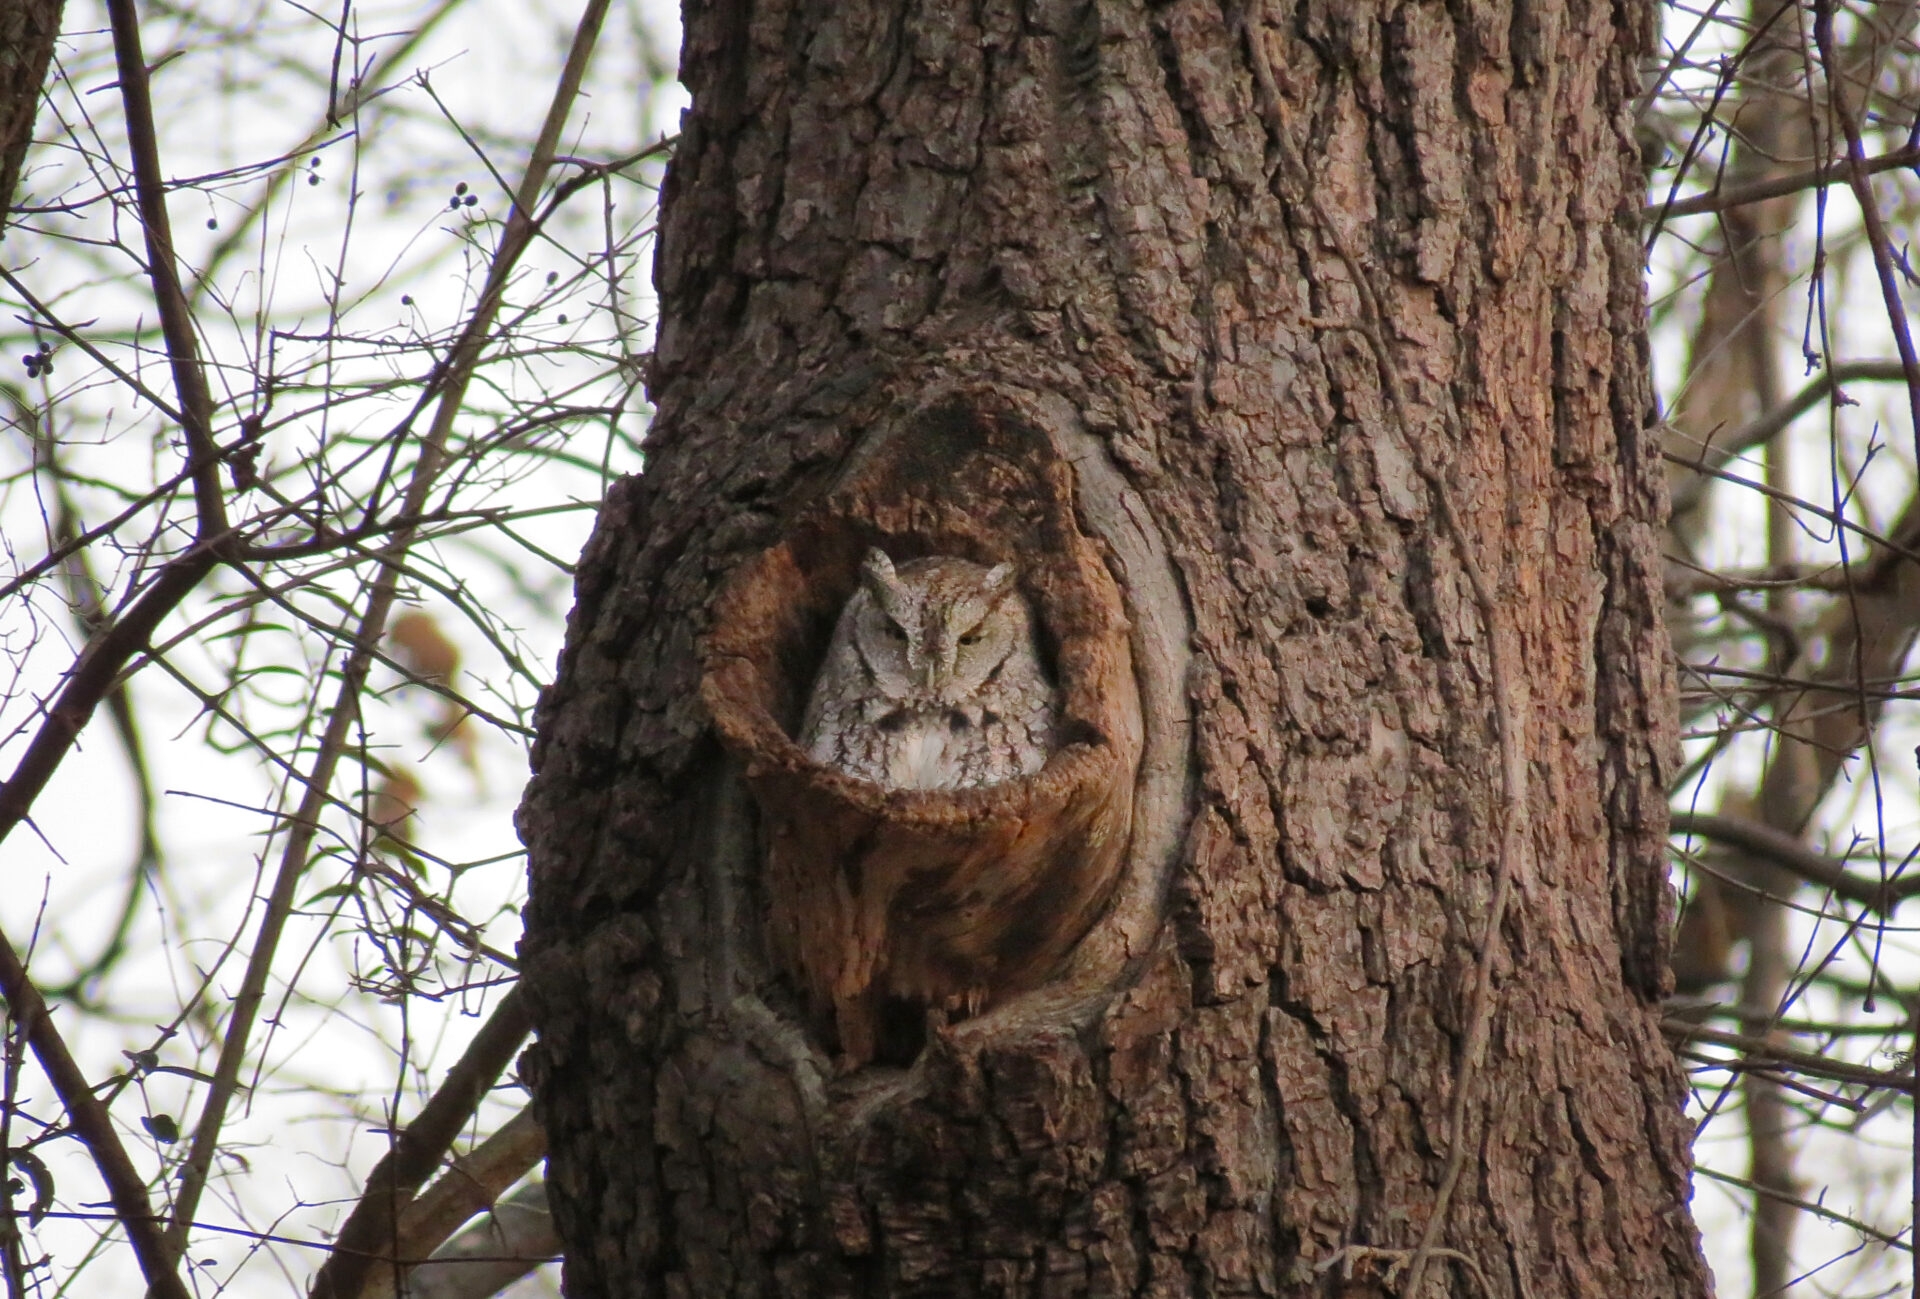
28, 30
1331, 322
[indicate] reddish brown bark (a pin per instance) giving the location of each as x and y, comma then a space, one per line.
1300, 281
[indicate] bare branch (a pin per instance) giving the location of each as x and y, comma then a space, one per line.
1792, 855
417, 1151
473, 1185
93, 1125
1856, 164
176, 319
514, 1238
1720, 198
1719, 451
92, 678
453, 376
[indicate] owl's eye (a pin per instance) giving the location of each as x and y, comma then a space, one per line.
894, 633
971, 638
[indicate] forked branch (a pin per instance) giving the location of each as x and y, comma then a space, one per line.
451, 378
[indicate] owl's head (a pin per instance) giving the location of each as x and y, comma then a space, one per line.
933, 631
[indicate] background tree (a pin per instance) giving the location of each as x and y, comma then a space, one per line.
1794, 633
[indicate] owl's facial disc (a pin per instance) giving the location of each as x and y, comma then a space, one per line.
960, 651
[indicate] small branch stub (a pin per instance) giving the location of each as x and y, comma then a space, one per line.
884, 902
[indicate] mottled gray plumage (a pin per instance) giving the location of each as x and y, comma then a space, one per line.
932, 679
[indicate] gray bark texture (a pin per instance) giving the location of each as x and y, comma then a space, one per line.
28, 30
1335, 312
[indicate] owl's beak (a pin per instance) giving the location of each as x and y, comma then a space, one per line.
940, 660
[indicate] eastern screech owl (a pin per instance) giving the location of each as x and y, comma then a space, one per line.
932, 679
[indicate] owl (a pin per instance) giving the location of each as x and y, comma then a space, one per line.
932, 679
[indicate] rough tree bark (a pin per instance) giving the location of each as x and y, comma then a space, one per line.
1336, 310
28, 30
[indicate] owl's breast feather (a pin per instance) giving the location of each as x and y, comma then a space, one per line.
918, 757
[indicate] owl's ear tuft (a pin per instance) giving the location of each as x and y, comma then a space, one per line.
998, 581
877, 575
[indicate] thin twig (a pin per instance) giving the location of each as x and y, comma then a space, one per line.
1718, 451
1654, 87
93, 1125
176, 318
92, 678
43, 316
1876, 227
243, 1233
1807, 1062
1810, 1206
1789, 853
1759, 191
417, 1151
454, 374
1832, 517
360, 94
